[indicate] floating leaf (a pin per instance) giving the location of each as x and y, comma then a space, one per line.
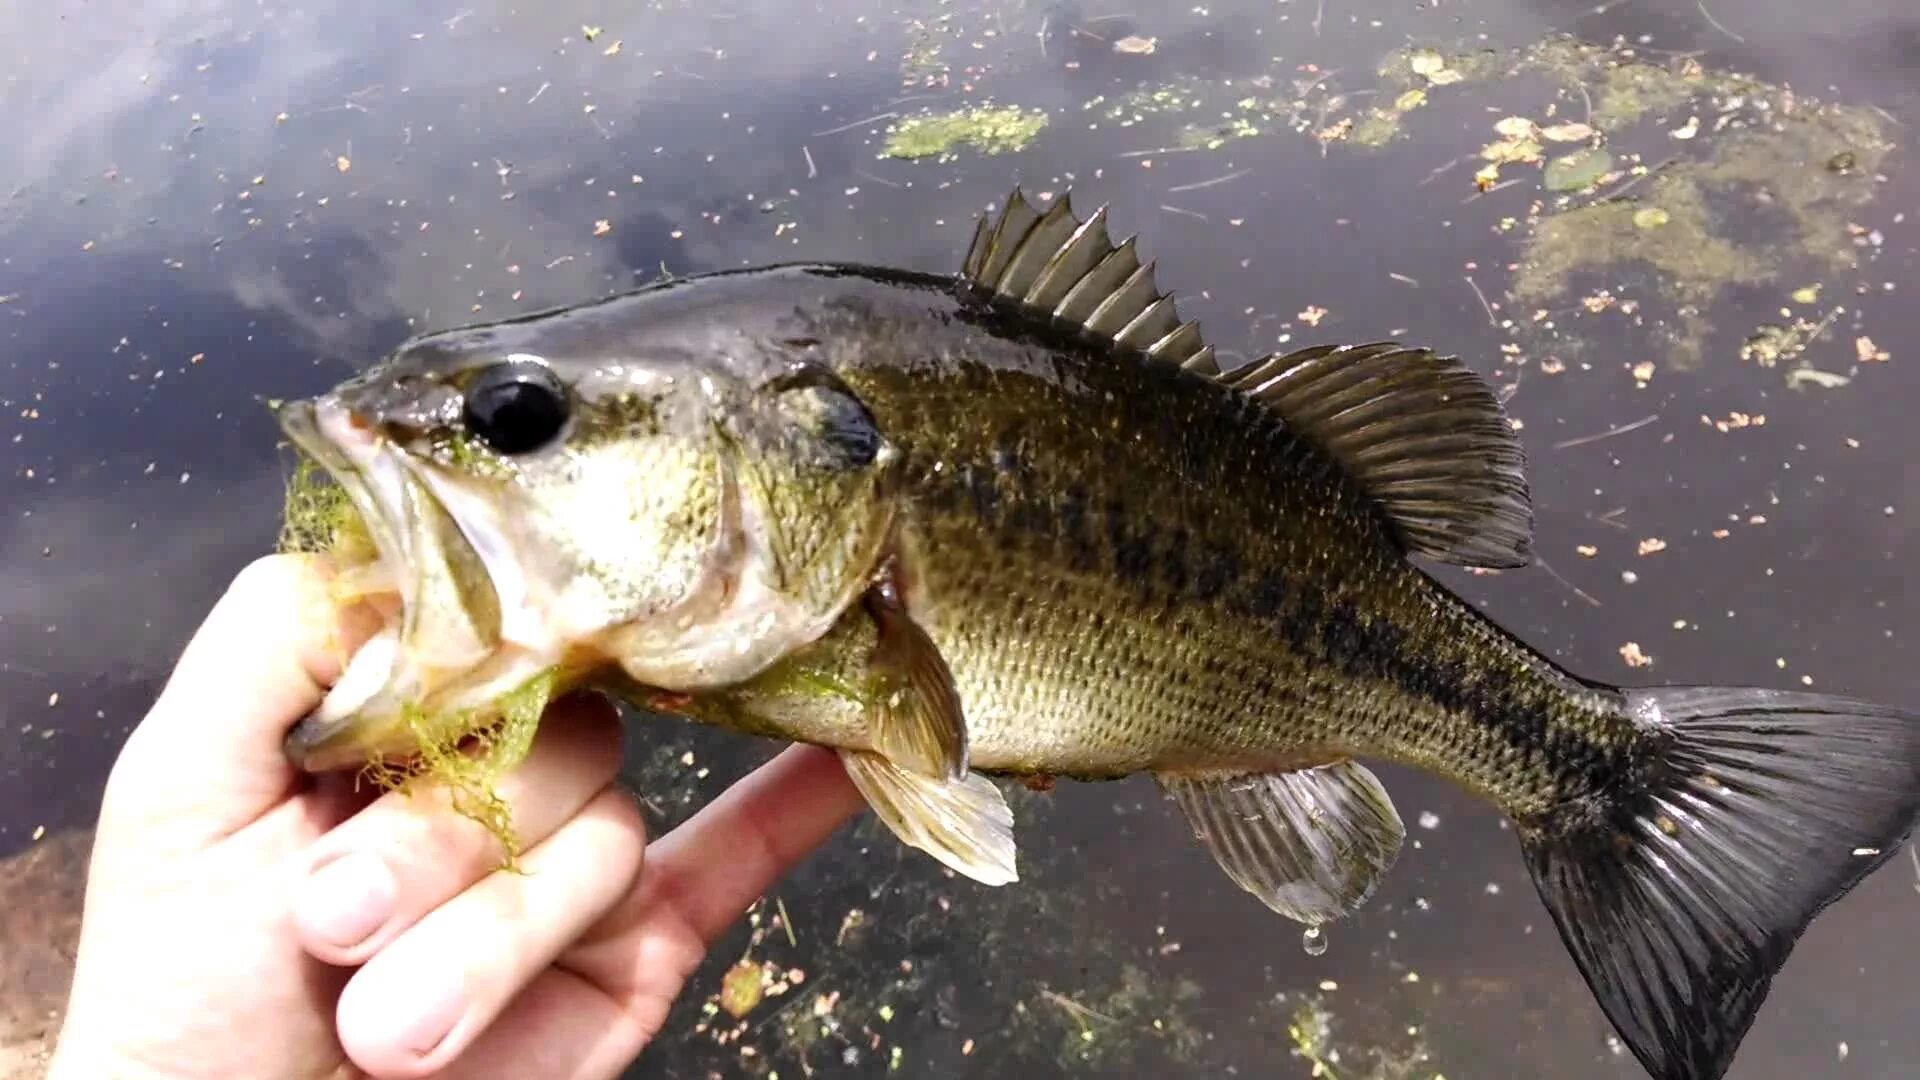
1511, 150
1571, 172
1807, 294
1650, 217
1516, 127
1427, 62
1567, 132
1410, 100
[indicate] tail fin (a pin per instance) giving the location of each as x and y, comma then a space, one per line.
1681, 899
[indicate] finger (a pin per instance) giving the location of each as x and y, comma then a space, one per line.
427, 996
591, 1013
724, 857
207, 757
366, 882
701, 877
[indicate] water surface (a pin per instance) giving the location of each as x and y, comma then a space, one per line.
211, 203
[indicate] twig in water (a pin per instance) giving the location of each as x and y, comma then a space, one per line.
786, 921
1435, 174
1235, 175
1488, 308
1185, 211
812, 170
1074, 1009
865, 175
1715, 23
1635, 181
1577, 590
1161, 150
1610, 518
1319, 15
1486, 191
1607, 434
856, 123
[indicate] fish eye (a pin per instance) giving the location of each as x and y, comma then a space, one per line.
516, 407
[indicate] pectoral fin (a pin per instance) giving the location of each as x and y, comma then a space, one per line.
1311, 844
966, 824
913, 710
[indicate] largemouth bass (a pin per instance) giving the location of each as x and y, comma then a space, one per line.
1018, 522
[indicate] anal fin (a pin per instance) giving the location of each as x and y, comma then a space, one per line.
964, 823
1312, 844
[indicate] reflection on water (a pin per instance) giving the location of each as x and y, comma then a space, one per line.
210, 203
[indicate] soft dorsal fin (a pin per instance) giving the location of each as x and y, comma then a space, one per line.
1063, 268
1422, 433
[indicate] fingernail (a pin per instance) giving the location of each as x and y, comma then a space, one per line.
412, 1019
346, 900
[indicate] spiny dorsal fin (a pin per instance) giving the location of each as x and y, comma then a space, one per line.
1063, 268
1422, 433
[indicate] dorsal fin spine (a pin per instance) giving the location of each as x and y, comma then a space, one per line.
1423, 435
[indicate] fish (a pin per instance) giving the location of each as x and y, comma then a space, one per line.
1016, 523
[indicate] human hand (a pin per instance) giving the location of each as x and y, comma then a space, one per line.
242, 919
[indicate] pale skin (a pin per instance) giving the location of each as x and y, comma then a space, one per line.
244, 920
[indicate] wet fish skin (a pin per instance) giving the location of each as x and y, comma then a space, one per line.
1125, 560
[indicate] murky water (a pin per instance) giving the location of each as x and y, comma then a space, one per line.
209, 203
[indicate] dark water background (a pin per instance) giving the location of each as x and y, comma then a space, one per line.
203, 204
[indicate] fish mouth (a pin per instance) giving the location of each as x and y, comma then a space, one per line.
442, 630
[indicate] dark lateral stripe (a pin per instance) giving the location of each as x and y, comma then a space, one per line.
1167, 566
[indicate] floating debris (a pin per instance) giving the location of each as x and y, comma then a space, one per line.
742, 987
1825, 380
1567, 133
1580, 169
988, 130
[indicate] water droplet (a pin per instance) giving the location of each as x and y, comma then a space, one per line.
1314, 941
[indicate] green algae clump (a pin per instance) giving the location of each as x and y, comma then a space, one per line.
318, 518
1689, 254
466, 751
987, 129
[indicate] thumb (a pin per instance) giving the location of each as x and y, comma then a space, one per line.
207, 759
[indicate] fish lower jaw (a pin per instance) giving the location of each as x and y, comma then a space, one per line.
374, 712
